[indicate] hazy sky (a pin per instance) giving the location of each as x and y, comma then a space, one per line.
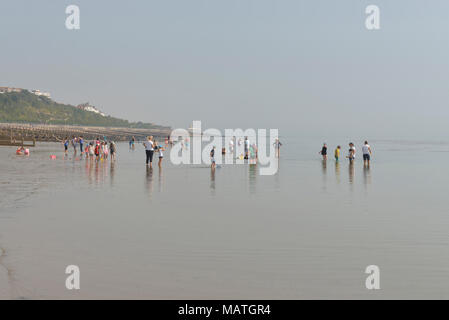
300, 66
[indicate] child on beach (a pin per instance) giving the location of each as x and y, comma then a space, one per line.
337, 153
160, 150
105, 150
113, 149
66, 145
351, 155
91, 150
97, 151
74, 141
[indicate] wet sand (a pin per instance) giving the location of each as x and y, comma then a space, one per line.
182, 232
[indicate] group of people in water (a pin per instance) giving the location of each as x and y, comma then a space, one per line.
250, 150
97, 149
366, 151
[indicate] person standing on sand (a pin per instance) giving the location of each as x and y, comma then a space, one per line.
149, 150
351, 155
81, 141
91, 151
323, 152
366, 150
131, 143
74, 142
97, 151
277, 147
113, 150
66, 145
212, 158
246, 147
337, 153
160, 150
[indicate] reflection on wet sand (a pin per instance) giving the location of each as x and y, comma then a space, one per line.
97, 171
337, 171
366, 176
252, 178
212, 181
112, 172
351, 173
160, 180
149, 181
324, 172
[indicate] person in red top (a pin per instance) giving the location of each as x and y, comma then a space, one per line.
97, 151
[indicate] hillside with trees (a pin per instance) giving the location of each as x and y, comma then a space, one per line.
26, 107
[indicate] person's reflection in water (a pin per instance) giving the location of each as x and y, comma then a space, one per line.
252, 178
149, 181
351, 173
337, 171
324, 170
366, 176
160, 180
112, 172
324, 166
212, 180
97, 172
87, 171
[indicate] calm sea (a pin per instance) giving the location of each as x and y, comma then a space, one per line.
183, 232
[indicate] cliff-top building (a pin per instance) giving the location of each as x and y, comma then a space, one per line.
9, 89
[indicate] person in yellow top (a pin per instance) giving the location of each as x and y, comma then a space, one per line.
337, 153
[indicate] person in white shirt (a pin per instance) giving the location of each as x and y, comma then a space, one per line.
246, 147
149, 150
366, 150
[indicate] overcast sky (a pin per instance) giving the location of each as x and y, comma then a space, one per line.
301, 66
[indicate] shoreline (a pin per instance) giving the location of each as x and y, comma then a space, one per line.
56, 133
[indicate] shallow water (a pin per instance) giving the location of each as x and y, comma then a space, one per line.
183, 232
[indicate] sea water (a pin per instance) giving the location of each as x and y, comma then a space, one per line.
186, 232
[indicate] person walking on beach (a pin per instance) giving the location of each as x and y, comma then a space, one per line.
149, 150
337, 153
277, 147
366, 150
351, 155
323, 152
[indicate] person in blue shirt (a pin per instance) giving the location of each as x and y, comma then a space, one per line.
81, 141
